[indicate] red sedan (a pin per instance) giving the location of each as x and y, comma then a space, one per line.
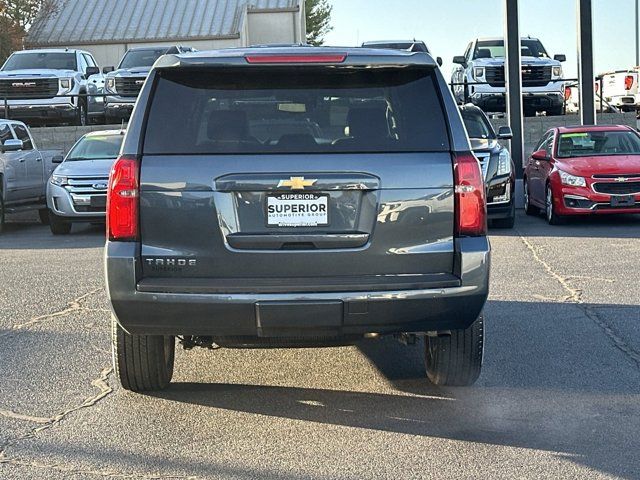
583, 171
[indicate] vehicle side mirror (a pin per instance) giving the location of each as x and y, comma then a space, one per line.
92, 71
57, 159
460, 60
106, 70
505, 133
439, 61
560, 58
541, 155
12, 146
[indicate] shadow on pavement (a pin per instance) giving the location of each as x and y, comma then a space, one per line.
34, 236
552, 381
596, 226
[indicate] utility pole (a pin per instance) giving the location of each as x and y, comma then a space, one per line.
585, 63
513, 76
637, 33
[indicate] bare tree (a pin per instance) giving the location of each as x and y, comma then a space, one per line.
16, 16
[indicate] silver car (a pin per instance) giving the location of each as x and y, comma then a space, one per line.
76, 191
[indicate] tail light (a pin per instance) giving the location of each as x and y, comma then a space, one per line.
628, 82
471, 206
122, 200
567, 93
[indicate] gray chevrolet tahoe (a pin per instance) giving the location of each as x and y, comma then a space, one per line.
359, 213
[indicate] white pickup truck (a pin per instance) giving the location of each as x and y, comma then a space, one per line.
620, 89
23, 172
479, 77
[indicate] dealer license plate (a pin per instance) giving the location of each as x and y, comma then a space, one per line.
297, 210
623, 201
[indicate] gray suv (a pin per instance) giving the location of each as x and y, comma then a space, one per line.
359, 213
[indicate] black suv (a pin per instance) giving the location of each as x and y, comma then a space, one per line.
497, 166
296, 197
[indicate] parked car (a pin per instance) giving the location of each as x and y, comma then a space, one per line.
586, 170
408, 45
124, 83
479, 77
23, 172
47, 86
77, 190
621, 90
496, 163
226, 240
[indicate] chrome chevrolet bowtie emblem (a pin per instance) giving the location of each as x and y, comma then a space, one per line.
296, 183
621, 179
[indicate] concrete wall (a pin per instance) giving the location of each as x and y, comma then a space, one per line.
536, 127
61, 139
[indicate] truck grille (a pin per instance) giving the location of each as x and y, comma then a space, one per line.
483, 158
130, 86
628, 188
532, 76
28, 88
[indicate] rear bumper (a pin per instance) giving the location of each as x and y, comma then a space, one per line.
298, 315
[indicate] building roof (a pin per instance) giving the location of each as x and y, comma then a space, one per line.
90, 22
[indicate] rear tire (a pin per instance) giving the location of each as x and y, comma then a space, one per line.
142, 363
58, 226
456, 359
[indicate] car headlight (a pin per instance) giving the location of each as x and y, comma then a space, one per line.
504, 163
66, 84
110, 84
58, 180
572, 180
557, 71
478, 73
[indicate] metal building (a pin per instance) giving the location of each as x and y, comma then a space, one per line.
108, 28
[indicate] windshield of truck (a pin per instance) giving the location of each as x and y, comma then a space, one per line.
296, 110
607, 143
41, 61
413, 46
141, 58
96, 147
495, 49
477, 125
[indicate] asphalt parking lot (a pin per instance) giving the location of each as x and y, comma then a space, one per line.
559, 396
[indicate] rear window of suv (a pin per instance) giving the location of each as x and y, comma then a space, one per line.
299, 110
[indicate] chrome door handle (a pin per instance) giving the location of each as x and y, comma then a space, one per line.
22, 160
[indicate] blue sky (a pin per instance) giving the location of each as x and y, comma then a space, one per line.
448, 25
